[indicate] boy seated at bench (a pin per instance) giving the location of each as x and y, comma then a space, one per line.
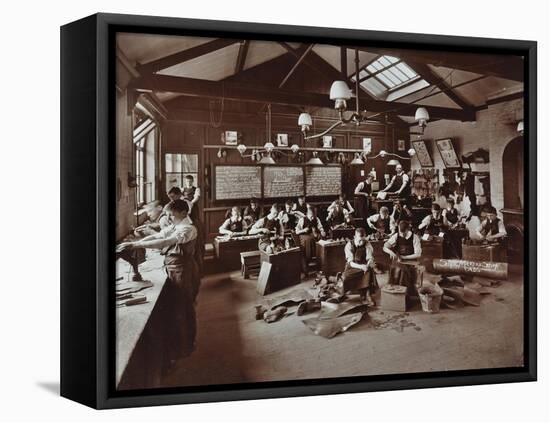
359, 273
234, 225
491, 228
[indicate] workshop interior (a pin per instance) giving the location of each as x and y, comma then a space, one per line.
292, 211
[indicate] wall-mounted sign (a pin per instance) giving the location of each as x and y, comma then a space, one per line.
422, 153
448, 153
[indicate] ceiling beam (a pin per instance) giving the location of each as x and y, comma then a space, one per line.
255, 93
184, 56
295, 66
432, 78
501, 66
241, 57
344, 63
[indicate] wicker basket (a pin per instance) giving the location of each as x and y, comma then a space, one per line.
430, 298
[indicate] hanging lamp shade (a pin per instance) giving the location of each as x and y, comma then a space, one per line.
315, 160
269, 147
305, 119
340, 91
357, 160
267, 159
520, 127
393, 162
421, 116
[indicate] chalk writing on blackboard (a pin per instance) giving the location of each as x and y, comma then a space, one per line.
283, 182
323, 181
237, 182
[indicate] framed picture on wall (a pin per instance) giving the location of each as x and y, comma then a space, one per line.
367, 145
230, 137
448, 153
282, 140
422, 153
401, 145
155, 319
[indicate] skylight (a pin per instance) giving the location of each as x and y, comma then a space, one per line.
387, 74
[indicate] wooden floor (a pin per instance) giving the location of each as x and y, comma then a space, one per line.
233, 347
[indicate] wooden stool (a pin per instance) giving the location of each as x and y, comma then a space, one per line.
250, 263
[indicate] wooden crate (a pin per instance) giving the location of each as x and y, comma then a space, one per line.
394, 298
250, 263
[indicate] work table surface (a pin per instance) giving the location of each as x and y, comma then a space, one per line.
131, 321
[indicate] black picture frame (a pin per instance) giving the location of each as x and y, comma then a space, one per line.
422, 153
88, 177
448, 153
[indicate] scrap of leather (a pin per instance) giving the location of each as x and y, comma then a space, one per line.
308, 306
332, 310
292, 298
331, 327
271, 316
460, 293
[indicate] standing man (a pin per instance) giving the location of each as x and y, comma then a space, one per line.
363, 191
359, 271
192, 194
157, 220
400, 184
177, 244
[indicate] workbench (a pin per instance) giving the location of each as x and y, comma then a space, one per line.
431, 250
136, 362
286, 268
331, 256
228, 250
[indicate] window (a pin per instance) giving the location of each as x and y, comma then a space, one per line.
145, 141
178, 166
387, 74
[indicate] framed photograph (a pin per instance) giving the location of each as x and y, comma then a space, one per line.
230, 137
327, 141
159, 229
448, 153
422, 153
400, 145
367, 145
282, 140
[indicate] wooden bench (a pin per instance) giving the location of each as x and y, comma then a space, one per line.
250, 263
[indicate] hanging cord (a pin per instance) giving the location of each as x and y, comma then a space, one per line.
211, 103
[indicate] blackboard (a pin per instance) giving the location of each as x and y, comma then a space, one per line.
323, 180
283, 181
237, 182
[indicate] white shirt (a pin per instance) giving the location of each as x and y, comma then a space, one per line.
417, 245
349, 254
184, 231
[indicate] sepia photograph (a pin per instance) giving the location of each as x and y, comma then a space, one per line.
297, 211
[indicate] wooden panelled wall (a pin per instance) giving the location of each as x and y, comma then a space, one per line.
189, 131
